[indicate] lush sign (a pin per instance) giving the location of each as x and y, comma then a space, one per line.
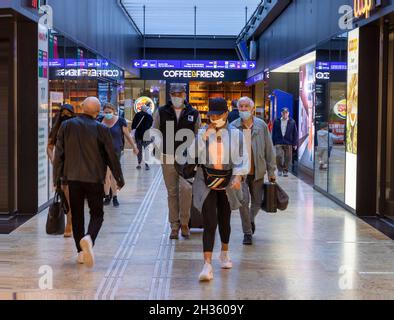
363, 8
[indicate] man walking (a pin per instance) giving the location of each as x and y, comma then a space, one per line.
177, 115
84, 150
262, 160
285, 138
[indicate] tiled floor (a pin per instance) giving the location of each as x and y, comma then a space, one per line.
315, 250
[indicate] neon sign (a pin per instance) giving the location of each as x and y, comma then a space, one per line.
193, 74
363, 8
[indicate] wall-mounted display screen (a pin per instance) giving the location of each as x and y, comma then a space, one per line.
306, 115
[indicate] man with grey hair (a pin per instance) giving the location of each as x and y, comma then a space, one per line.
262, 160
84, 150
177, 115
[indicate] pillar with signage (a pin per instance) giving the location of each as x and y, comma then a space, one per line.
352, 119
43, 115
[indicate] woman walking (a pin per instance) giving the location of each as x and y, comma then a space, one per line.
217, 188
120, 133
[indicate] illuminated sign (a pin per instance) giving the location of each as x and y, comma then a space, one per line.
91, 73
194, 74
143, 101
323, 75
195, 64
363, 8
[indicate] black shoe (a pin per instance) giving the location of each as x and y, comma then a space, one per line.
116, 202
253, 227
139, 167
107, 200
147, 168
286, 174
248, 240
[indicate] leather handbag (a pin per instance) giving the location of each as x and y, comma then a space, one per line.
282, 198
56, 216
270, 198
217, 179
186, 171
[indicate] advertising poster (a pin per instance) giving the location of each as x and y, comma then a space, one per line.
306, 115
352, 118
43, 115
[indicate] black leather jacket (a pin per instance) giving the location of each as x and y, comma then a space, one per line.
83, 152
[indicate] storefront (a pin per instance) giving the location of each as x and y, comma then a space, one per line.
40, 69
201, 85
340, 93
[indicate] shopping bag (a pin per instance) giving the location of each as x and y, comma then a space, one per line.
282, 198
56, 216
270, 198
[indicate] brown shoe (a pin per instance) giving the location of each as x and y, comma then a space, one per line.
174, 234
185, 232
68, 233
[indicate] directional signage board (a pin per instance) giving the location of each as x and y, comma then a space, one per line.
195, 64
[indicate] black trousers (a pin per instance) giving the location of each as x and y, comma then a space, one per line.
216, 211
94, 193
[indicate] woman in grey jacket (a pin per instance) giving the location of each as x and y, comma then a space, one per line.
217, 189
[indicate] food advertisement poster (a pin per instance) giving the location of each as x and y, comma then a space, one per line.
352, 117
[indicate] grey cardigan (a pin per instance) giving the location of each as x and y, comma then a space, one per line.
239, 163
262, 146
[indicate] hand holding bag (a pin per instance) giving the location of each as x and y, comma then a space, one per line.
56, 216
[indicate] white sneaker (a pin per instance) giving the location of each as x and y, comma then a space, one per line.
87, 248
207, 273
81, 258
225, 260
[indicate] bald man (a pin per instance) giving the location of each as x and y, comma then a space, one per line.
84, 150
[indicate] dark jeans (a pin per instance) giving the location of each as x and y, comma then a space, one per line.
94, 193
216, 211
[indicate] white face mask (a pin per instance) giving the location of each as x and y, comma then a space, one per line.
219, 123
177, 102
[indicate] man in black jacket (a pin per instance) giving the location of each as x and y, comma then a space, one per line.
84, 150
177, 115
142, 122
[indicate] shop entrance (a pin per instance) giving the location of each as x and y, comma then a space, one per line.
389, 179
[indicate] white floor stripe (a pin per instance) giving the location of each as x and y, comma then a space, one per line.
117, 262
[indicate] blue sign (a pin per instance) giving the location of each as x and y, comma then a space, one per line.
338, 66
195, 64
56, 63
327, 66
255, 79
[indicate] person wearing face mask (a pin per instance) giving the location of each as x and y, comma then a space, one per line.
262, 159
217, 189
142, 122
84, 150
175, 116
66, 113
119, 133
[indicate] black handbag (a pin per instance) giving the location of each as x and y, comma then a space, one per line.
217, 179
270, 198
186, 171
275, 198
56, 216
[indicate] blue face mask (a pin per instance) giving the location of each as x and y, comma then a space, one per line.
109, 116
245, 115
